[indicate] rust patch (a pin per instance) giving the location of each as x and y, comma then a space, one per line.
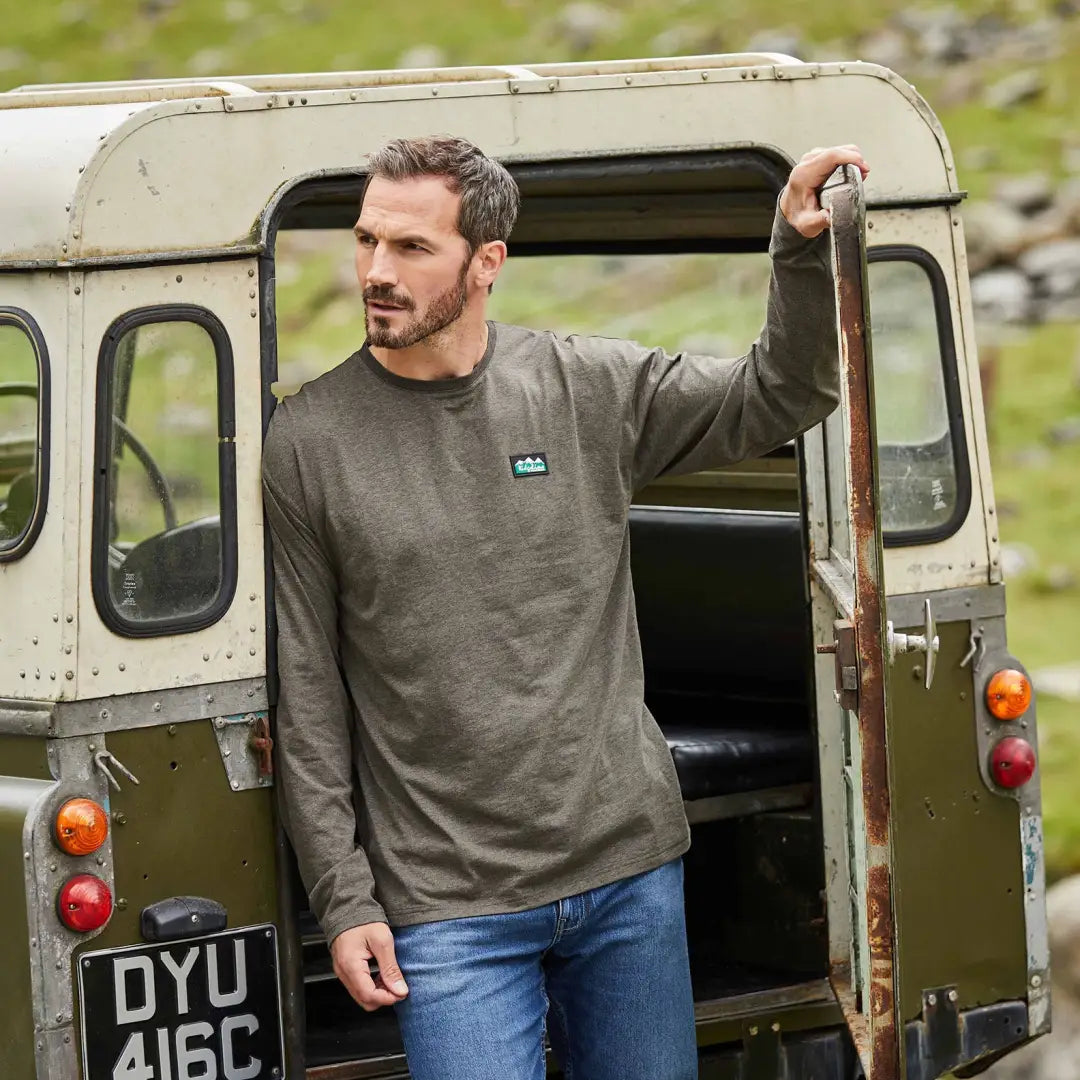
879, 1041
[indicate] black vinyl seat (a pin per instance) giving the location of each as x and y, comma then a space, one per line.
725, 638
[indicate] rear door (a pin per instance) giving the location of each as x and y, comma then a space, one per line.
846, 582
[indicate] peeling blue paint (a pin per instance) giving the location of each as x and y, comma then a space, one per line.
1031, 830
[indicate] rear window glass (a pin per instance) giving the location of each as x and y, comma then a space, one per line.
164, 552
23, 418
925, 488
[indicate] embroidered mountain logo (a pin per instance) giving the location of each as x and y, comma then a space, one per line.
529, 464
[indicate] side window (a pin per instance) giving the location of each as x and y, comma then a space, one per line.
164, 502
24, 418
925, 483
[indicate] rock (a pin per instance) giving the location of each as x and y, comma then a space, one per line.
209, 61
584, 24
422, 56
960, 85
994, 233
12, 59
1064, 431
1064, 309
1055, 268
887, 46
1028, 193
1058, 578
1035, 456
1002, 294
1015, 89
785, 41
1017, 559
943, 38
980, 158
1062, 681
1067, 200
686, 39
236, 11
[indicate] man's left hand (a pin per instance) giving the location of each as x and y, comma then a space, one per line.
800, 201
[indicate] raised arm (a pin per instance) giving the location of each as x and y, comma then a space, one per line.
696, 412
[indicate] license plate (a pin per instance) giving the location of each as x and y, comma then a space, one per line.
205, 1008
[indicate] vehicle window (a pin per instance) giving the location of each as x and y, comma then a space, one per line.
160, 511
924, 480
23, 405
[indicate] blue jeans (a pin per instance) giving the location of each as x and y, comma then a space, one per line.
607, 969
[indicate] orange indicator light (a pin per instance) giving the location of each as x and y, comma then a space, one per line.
81, 826
1008, 694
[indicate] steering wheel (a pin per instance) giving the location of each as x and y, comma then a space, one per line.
153, 471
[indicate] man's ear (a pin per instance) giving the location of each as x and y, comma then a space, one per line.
488, 261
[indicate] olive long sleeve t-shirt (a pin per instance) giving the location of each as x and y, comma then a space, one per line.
460, 725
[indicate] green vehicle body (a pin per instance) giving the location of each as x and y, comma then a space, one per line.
920, 932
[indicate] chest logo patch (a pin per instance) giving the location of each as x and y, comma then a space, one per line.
535, 464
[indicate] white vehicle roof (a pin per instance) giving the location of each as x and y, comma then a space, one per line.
137, 171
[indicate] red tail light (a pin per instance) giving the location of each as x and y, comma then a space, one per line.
1012, 762
85, 903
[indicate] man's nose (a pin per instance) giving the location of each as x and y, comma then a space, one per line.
381, 270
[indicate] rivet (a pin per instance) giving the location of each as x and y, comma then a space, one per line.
119, 817
742, 74
514, 89
121, 903
434, 91
775, 1026
69, 674
82, 168
228, 106
69, 618
251, 295
52, 674
219, 723
251, 273
157, 706
236, 785
1036, 980
990, 510
55, 618
104, 714
953, 995
59, 1017
91, 747
171, 729
994, 538
552, 85
67, 650
101, 860
252, 628
75, 236
67, 206
34, 639
753, 1030
753, 74
179, 278
228, 654
26, 855
210, 699
705, 76
77, 290
292, 100
122, 666
22, 673
251, 596
254, 313
270, 103
93, 671
251, 652
931, 999
63, 247
303, 101
779, 74
197, 105
842, 68
629, 80
226, 752
352, 97
52, 867
206, 656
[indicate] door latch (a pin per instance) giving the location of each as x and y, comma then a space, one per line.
927, 642
847, 664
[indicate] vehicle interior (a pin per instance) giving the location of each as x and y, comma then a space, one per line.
718, 563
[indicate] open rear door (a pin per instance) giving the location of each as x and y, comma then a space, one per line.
846, 581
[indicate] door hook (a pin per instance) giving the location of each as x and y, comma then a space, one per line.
102, 759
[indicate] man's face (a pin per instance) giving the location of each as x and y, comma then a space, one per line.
411, 262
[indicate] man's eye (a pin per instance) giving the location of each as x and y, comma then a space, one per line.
415, 247
367, 241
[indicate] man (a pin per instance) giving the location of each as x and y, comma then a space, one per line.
456, 624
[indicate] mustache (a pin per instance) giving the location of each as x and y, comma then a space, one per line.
384, 294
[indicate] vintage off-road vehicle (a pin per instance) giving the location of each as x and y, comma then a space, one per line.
823, 628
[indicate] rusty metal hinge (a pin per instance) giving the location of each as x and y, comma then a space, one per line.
847, 664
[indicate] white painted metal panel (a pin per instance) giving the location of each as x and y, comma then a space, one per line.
235, 646
37, 591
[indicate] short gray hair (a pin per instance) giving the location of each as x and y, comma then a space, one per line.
490, 199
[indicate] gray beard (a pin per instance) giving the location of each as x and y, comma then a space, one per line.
442, 312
